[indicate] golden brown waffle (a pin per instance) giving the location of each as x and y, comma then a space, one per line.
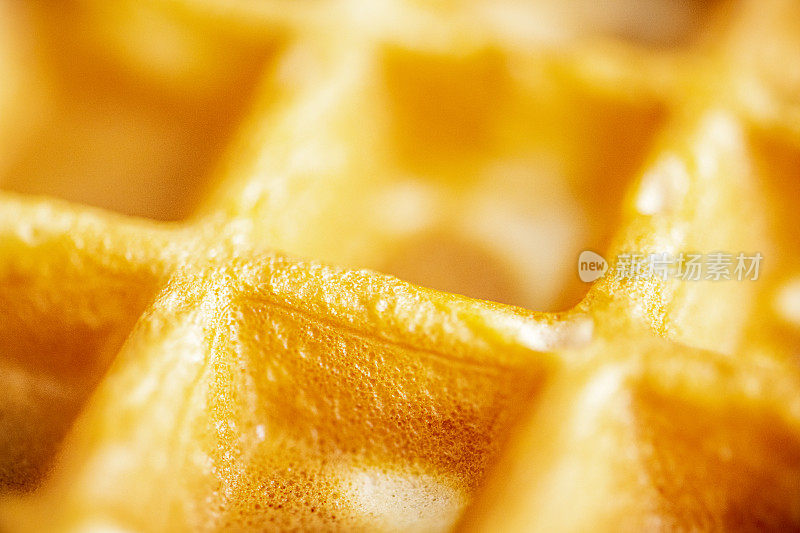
189, 365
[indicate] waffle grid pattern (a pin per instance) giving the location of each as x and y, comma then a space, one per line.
216, 372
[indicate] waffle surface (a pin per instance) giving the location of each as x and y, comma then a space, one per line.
204, 333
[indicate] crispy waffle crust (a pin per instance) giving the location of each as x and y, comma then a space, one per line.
194, 362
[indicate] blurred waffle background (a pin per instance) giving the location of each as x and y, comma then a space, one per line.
505, 132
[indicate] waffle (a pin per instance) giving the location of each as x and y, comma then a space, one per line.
205, 331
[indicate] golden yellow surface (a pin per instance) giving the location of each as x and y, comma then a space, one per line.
204, 332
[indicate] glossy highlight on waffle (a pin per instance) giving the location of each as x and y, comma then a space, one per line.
274, 266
